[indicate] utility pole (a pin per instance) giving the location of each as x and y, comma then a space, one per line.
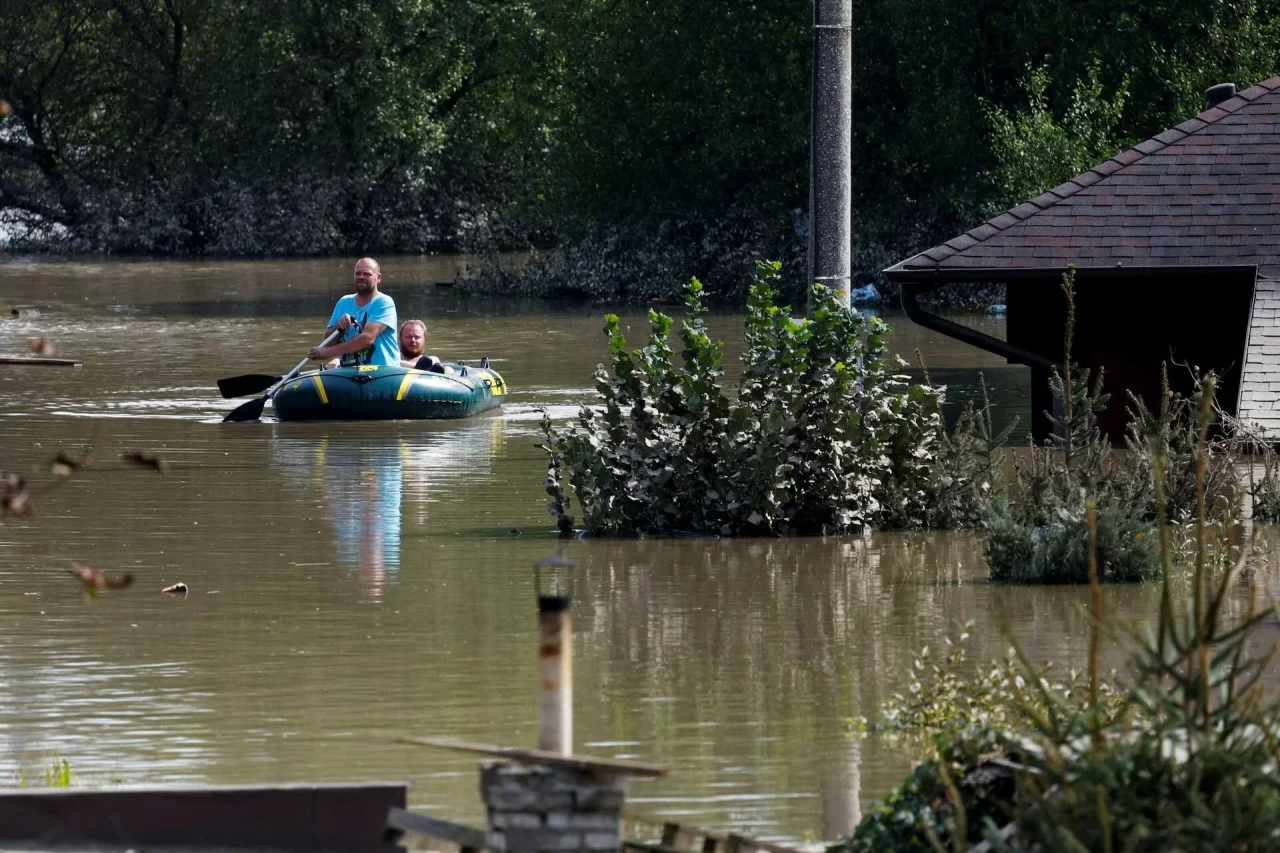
830, 147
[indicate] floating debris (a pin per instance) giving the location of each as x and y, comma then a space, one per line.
15, 499
41, 346
93, 581
146, 459
177, 590
64, 466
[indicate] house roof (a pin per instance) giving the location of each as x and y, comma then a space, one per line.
1203, 194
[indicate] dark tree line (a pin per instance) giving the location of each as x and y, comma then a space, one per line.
314, 126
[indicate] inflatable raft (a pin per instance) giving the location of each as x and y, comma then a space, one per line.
373, 392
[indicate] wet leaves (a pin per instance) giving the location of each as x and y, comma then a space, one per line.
64, 465
42, 346
15, 499
146, 459
92, 581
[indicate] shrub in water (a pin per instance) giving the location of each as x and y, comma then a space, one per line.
1019, 551
821, 437
1183, 756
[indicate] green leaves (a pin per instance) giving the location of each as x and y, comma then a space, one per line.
819, 437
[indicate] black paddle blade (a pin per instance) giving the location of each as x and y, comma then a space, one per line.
242, 386
249, 411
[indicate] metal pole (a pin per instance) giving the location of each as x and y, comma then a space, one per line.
555, 674
830, 147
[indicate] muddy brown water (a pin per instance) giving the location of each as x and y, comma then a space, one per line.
353, 579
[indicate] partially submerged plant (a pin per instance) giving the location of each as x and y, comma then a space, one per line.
821, 437
1183, 756
54, 772
1038, 533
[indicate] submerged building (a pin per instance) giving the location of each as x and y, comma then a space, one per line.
1176, 245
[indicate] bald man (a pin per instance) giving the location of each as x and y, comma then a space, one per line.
367, 320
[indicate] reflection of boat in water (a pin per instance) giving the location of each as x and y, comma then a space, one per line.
372, 479
373, 392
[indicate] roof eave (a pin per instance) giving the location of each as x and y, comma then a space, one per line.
944, 275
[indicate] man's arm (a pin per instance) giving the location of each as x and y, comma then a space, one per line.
359, 342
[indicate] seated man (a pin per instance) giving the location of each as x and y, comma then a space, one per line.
365, 319
413, 334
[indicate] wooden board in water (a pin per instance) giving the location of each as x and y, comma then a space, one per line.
36, 359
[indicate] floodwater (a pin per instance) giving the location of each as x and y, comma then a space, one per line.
350, 580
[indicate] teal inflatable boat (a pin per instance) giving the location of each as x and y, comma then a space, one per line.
373, 392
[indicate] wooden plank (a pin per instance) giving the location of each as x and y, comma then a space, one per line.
674, 835
336, 817
536, 756
466, 837
647, 847
24, 360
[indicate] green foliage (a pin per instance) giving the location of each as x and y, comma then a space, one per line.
357, 125
1171, 435
1034, 532
1058, 551
289, 127
1181, 755
1035, 150
921, 811
640, 261
966, 472
1265, 491
55, 772
686, 106
1038, 535
820, 437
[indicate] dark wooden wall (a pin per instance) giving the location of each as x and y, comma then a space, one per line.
1130, 325
316, 817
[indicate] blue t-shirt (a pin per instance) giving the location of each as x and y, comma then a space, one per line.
381, 309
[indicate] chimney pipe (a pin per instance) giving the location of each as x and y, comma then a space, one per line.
555, 674
1215, 95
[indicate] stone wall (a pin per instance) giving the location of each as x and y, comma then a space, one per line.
551, 808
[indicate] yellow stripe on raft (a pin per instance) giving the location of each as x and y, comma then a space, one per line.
406, 384
324, 398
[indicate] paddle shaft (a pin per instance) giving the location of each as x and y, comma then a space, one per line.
252, 410
292, 373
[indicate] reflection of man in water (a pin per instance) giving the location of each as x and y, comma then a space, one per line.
362, 488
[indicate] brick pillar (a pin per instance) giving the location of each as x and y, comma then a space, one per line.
541, 808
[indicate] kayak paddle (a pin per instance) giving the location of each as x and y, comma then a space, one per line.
250, 383
252, 410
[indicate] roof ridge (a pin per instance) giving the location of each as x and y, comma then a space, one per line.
1088, 178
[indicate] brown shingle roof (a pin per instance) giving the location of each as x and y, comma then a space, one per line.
1204, 193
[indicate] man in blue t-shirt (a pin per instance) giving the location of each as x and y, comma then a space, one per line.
367, 320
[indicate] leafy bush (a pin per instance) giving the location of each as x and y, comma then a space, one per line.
1034, 532
1265, 492
1018, 551
966, 471
1038, 535
1035, 149
820, 438
1182, 756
